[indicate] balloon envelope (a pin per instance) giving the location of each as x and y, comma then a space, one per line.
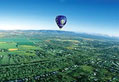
61, 20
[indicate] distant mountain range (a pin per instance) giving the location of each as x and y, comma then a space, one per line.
84, 35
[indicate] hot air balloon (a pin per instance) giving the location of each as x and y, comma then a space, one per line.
61, 21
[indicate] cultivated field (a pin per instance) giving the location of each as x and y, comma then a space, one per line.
57, 56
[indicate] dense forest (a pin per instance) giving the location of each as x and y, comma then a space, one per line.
58, 56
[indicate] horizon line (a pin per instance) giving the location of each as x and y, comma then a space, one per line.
62, 30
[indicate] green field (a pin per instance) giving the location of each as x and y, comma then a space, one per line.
7, 45
58, 57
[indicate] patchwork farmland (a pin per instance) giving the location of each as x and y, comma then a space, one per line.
57, 56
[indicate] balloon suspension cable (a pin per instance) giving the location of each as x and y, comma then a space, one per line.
60, 29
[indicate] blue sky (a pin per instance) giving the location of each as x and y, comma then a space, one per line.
90, 16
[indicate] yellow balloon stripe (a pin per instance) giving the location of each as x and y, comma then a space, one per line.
62, 21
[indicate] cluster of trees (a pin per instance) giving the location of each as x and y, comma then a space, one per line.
62, 59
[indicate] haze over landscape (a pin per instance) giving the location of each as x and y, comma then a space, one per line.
33, 49
89, 16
